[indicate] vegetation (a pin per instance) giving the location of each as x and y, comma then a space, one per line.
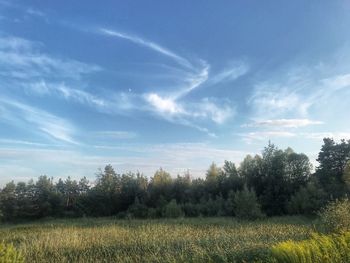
335, 217
8, 254
159, 240
318, 249
246, 205
277, 182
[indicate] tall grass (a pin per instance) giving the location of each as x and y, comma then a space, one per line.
172, 240
9, 254
318, 249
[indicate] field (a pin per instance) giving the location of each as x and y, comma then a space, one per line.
163, 240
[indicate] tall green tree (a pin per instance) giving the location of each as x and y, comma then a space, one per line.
333, 159
8, 201
246, 205
230, 180
160, 186
104, 197
212, 180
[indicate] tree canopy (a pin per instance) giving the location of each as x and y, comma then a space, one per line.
276, 182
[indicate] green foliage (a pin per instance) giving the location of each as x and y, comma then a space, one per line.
138, 210
346, 176
333, 159
335, 217
230, 204
280, 178
152, 213
229, 179
160, 185
275, 176
318, 249
246, 205
213, 180
172, 210
308, 200
9, 254
191, 210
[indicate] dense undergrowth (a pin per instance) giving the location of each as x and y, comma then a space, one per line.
318, 249
9, 254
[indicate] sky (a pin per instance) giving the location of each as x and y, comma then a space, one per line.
172, 84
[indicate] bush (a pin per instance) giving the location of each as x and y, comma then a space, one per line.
308, 200
346, 176
246, 205
335, 217
138, 210
230, 204
172, 210
191, 210
152, 213
121, 215
212, 207
9, 254
318, 249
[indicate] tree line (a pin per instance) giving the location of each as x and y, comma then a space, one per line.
276, 182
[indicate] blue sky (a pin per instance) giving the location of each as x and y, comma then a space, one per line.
172, 84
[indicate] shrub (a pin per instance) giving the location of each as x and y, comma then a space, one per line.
246, 205
346, 175
121, 215
318, 249
191, 210
335, 217
138, 210
172, 210
212, 207
308, 200
152, 213
230, 204
9, 254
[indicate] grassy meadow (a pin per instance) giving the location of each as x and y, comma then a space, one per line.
163, 240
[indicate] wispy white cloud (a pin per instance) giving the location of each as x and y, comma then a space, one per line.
60, 89
193, 81
320, 135
283, 123
188, 112
15, 43
171, 104
36, 72
266, 135
39, 120
209, 108
268, 100
149, 44
117, 103
35, 12
299, 91
250, 137
116, 134
21, 58
337, 82
174, 157
231, 73
28, 143
164, 105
